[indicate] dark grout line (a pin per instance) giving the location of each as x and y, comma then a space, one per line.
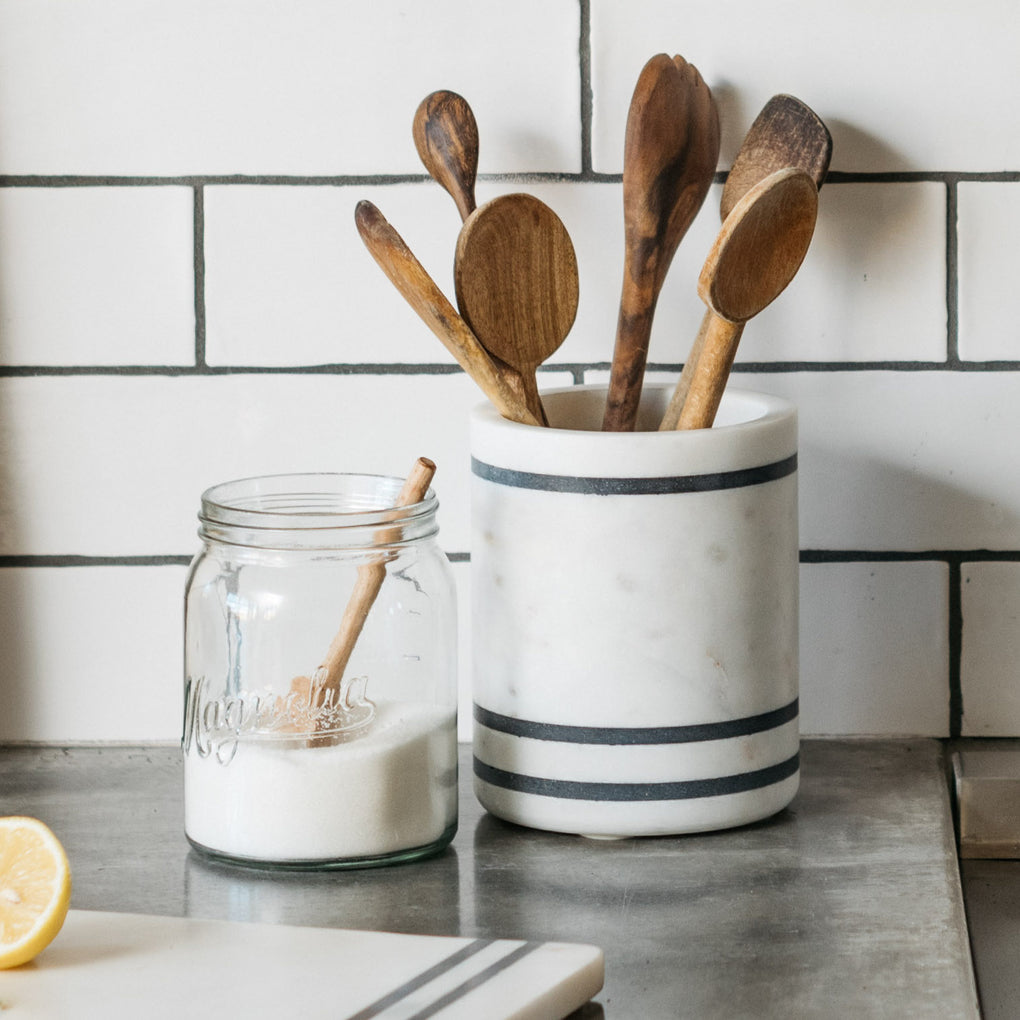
952, 276
199, 253
585, 175
169, 560
950, 556
587, 95
779, 367
955, 558
955, 625
70, 560
395, 368
577, 369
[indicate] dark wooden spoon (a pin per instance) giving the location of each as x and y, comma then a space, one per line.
670, 154
446, 137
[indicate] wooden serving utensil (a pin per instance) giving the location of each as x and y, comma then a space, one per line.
786, 133
446, 137
324, 691
671, 151
516, 279
422, 293
757, 253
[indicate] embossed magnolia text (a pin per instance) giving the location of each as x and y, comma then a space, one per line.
316, 710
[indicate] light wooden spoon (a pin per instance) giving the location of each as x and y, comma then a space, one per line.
785, 133
324, 687
754, 258
446, 137
671, 150
422, 293
517, 287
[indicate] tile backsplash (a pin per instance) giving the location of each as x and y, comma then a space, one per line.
184, 299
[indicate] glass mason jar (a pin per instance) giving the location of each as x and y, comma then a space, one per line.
320, 723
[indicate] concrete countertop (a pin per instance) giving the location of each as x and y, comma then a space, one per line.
847, 903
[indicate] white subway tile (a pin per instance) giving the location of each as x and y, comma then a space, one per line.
91, 653
96, 276
116, 465
989, 672
988, 225
289, 281
874, 649
96, 653
904, 460
259, 87
897, 89
899, 461
873, 284
872, 287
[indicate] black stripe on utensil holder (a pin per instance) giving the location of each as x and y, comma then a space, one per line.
689, 734
657, 486
684, 789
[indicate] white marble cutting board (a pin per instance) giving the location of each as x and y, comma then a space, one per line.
132, 965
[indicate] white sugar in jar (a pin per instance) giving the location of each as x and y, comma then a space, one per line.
286, 765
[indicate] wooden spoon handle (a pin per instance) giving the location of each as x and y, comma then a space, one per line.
370, 578
711, 373
420, 291
676, 403
630, 354
325, 686
525, 385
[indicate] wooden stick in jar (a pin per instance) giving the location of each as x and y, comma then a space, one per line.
369, 580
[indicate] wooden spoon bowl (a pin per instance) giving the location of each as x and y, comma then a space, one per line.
422, 293
757, 253
446, 137
516, 281
787, 133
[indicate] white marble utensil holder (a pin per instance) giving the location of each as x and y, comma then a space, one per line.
634, 617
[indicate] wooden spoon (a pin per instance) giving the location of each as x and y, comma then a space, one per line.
756, 255
785, 133
516, 279
324, 687
670, 154
446, 137
422, 293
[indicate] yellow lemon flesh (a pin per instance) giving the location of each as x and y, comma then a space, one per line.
35, 889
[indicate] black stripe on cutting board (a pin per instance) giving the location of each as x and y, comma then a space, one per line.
695, 733
422, 979
658, 486
475, 982
686, 789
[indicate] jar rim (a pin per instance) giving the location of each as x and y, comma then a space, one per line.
311, 501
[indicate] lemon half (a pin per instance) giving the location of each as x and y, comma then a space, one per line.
35, 889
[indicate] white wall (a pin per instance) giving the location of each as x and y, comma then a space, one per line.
184, 299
